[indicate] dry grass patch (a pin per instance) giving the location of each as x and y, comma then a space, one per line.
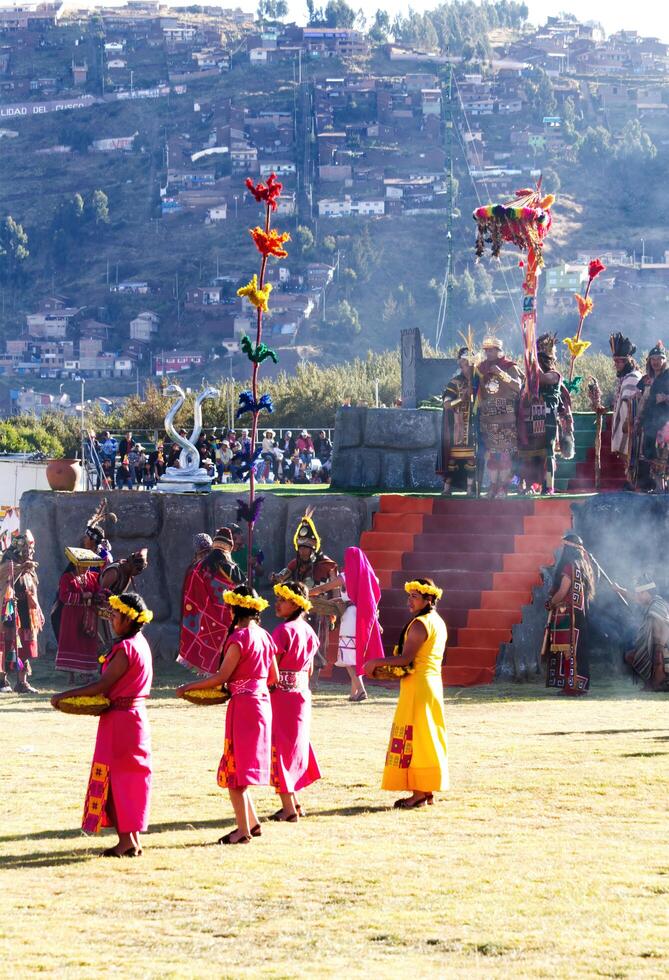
547, 858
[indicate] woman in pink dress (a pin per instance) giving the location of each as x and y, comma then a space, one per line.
248, 667
294, 764
119, 787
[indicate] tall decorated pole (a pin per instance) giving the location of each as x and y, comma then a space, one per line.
269, 244
524, 222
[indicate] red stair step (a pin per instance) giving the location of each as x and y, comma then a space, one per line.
524, 564
408, 523
384, 559
493, 618
452, 561
481, 508
499, 600
467, 676
395, 504
468, 524
546, 525
515, 581
538, 544
386, 541
459, 656
464, 542
482, 638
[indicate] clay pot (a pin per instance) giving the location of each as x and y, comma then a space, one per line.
63, 474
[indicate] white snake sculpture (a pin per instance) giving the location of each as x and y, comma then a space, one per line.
189, 458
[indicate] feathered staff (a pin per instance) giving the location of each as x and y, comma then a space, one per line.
525, 223
576, 346
595, 396
270, 244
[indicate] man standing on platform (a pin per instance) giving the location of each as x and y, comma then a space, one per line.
628, 376
497, 384
456, 460
655, 416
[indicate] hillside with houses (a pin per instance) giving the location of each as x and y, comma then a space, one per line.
126, 136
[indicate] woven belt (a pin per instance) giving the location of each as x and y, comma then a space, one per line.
254, 685
293, 680
124, 704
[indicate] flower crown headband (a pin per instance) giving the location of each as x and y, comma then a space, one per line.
120, 606
245, 601
283, 592
432, 590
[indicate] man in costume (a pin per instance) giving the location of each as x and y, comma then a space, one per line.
115, 579
78, 619
654, 417
22, 617
565, 639
497, 383
312, 566
649, 658
456, 461
543, 419
204, 616
628, 376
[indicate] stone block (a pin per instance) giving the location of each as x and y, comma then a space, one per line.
393, 475
38, 512
141, 514
183, 516
349, 426
400, 429
152, 583
420, 472
370, 469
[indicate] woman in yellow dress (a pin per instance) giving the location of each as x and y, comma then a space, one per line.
417, 757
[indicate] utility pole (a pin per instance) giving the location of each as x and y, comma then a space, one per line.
443, 327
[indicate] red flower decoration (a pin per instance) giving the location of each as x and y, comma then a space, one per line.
270, 243
268, 192
595, 267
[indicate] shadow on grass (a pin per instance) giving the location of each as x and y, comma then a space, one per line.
44, 859
612, 731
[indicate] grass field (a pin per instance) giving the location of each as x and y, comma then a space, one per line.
548, 857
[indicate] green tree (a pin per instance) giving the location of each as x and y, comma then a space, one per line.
329, 244
380, 29
347, 319
337, 13
636, 146
100, 207
13, 251
305, 239
594, 145
366, 255
272, 9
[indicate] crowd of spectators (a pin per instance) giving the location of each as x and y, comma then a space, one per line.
125, 464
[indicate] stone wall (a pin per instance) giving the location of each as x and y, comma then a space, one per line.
165, 524
627, 533
388, 448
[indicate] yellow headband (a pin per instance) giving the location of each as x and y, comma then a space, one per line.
432, 590
283, 592
245, 601
139, 617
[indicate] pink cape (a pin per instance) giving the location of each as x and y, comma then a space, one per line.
362, 588
119, 788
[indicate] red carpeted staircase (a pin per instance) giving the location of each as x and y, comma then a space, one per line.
578, 475
485, 554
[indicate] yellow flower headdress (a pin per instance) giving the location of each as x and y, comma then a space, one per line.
245, 601
283, 592
120, 606
432, 590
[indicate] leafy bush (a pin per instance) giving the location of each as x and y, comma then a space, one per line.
25, 435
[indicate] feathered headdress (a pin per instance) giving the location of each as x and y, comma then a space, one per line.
621, 346
469, 342
306, 533
97, 523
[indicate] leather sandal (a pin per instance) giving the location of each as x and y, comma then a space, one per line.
226, 839
280, 818
256, 831
406, 803
131, 852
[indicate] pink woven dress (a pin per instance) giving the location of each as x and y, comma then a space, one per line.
294, 764
248, 721
119, 787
